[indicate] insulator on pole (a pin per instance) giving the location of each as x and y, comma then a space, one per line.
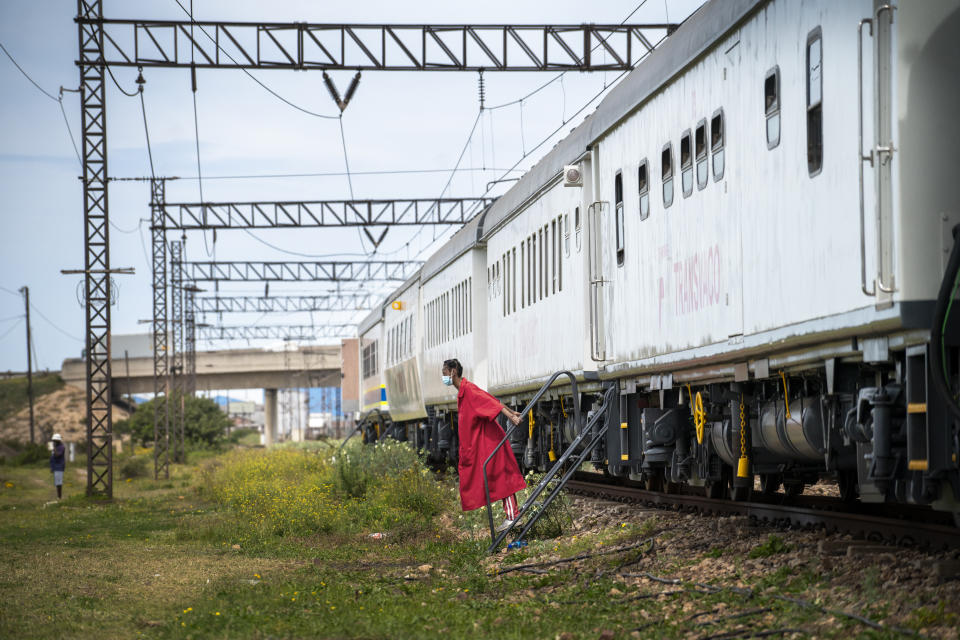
482, 89
327, 80
351, 90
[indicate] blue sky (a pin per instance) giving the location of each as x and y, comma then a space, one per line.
396, 121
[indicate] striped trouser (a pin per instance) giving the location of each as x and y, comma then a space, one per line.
510, 507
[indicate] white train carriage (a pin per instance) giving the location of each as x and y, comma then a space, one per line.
401, 338
762, 225
373, 395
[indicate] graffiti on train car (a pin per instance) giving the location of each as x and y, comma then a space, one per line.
697, 281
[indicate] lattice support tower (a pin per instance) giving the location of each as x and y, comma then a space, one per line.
93, 126
161, 377
190, 339
177, 401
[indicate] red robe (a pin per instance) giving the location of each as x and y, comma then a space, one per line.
479, 433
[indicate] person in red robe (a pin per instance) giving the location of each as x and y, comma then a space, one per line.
479, 434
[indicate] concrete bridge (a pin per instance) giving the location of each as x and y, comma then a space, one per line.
317, 366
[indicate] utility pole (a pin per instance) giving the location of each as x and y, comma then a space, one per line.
26, 303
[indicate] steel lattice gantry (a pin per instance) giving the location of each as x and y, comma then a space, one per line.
383, 271
376, 47
321, 213
93, 123
299, 46
278, 332
161, 362
254, 304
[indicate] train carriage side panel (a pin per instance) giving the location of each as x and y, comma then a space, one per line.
771, 240
401, 369
372, 389
535, 297
925, 163
448, 327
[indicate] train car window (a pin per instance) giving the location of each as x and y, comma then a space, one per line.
523, 289
700, 154
576, 217
686, 164
618, 215
560, 240
814, 102
643, 187
553, 256
470, 304
531, 270
717, 141
666, 172
771, 106
538, 242
545, 260
506, 283
513, 277
566, 234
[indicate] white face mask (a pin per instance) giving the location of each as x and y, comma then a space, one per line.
447, 380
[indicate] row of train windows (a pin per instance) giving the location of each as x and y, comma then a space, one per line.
533, 270
693, 147
693, 150
400, 341
449, 315
369, 360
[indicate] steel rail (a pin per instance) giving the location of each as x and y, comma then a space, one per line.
882, 529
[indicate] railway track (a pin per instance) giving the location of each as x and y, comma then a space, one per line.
882, 523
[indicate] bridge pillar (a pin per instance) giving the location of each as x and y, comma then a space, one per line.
269, 416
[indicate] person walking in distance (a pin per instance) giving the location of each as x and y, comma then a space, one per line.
58, 462
479, 434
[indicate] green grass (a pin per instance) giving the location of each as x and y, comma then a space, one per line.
190, 557
13, 392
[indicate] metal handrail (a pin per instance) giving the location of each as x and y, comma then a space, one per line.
597, 437
529, 407
358, 427
862, 158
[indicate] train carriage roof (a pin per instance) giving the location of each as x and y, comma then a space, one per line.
464, 239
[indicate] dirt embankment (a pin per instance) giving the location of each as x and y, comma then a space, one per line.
62, 411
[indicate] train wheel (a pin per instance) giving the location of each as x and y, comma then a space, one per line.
654, 481
847, 483
769, 483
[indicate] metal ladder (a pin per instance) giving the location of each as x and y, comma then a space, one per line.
594, 436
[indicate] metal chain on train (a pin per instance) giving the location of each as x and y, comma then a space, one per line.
743, 467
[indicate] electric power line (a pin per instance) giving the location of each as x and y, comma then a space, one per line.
26, 75
10, 330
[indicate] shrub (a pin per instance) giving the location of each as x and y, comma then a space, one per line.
135, 467
306, 489
31, 453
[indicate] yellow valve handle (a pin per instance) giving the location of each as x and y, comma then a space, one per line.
690, 399
786, 400
530, 416
699, 417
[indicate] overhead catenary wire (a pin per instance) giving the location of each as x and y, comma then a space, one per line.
252, 77
11, 328
41, 314
27, 75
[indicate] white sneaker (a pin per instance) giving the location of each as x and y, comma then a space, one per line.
506, 524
